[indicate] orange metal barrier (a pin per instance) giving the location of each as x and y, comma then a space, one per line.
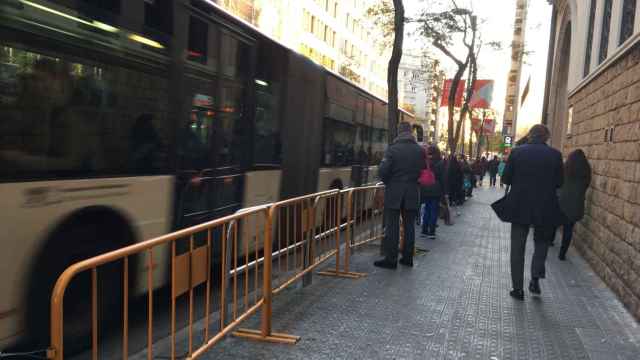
256, 253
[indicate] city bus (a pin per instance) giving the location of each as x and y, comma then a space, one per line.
124, 120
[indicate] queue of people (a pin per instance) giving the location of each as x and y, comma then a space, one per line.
542, 193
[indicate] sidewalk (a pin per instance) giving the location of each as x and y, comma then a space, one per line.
453, 304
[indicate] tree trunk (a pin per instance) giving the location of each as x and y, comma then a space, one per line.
394, 64
453, 140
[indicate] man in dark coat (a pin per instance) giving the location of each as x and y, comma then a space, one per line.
492, 167
534, 172
399, 171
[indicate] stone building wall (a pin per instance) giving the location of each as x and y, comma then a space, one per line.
609, 235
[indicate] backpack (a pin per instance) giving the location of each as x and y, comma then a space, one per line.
427, 177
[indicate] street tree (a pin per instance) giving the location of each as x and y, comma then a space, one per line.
394, 64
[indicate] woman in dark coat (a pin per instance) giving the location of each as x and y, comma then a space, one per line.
454, 181
577, 178
432, 194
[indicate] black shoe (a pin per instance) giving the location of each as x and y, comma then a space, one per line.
517, 294
534, 286
408, 263
385, 264
562, 257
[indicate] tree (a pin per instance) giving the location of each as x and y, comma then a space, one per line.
441, 28
394, 64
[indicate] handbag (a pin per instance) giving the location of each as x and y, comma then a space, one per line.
427, 178
503, 209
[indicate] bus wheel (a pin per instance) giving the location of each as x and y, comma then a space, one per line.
70, 244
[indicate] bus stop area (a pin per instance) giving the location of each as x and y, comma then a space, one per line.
453, 304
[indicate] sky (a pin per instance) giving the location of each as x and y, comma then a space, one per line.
496, 24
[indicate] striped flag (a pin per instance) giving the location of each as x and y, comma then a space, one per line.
525, 92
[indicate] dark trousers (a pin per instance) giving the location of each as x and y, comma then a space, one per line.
392, 233
430, 215
567, 234
492, 179
542, 238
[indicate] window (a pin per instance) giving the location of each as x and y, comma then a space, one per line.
628, 20
335, 9
198, 37
66, 117
339, 140
592, 16
158, 14
313, 24
606, 28
236, 57
347, 22
307, 22
110, 5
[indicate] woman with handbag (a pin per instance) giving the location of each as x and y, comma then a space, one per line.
577, 178
432, 191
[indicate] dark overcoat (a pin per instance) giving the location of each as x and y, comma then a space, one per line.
399, 171
535, 173
572, 196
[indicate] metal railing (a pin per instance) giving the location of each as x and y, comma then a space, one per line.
257, 253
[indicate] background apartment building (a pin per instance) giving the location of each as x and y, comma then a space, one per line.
334, 33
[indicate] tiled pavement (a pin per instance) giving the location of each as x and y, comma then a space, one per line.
453, 304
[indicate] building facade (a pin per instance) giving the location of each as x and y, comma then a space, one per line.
593, 103
334, 33
416, 77
510, 119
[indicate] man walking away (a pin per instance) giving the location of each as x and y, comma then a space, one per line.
534, 172
493, 170
399, 171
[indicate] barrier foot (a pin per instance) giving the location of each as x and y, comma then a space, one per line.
343, 274
256, 335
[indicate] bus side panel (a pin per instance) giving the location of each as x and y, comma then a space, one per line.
37, 207
302, 127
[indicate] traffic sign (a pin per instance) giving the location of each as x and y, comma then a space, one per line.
507, 141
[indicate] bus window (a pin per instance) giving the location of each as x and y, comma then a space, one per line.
235, 56
339, 143
267, 146
378, 146
196, 134
198, 40
65, 118
228, 138
362, 145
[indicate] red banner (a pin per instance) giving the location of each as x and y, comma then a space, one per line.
447, 89
482, 94
489, 126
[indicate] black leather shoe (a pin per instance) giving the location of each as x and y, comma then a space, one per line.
408, 263
534, 287
517, 294
385, 264
562, 257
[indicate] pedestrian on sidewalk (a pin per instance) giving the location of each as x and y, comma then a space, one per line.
454, 181
399, 171
493, 170
577, 178
501, 166
535, 173
484, 164
431, 195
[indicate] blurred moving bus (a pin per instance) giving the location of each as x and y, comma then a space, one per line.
123, 120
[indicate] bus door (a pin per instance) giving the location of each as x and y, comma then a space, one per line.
213, 137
